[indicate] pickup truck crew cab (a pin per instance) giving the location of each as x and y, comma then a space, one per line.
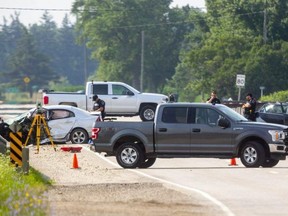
120, 98
182, 130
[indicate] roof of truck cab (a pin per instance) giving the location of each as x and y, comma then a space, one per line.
191, 104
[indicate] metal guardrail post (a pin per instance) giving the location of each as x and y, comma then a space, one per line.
25, 160
3, 145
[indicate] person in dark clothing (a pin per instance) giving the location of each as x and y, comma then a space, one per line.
213, 99
99, 105
249, 107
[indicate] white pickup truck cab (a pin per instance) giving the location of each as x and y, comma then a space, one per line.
120, 98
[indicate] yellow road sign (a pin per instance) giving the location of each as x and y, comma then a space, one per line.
26, 79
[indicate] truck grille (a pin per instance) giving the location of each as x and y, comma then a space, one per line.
286, 137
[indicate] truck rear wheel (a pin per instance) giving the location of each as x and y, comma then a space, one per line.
147, 163
147, 113
252, 154
129, 155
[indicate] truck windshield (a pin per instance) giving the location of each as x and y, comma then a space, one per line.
232, 114
135, 90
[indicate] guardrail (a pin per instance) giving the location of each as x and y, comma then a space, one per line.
11, 110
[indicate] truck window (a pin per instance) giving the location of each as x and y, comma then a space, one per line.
119, 90
100, 89
175, 115
206, 116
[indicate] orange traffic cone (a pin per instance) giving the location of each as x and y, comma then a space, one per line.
75, 162
233, 162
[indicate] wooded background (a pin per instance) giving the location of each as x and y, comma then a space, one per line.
152, 46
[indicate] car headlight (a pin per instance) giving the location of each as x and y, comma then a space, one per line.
277, 135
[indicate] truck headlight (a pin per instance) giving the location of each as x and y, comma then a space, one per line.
277, 135
165, 99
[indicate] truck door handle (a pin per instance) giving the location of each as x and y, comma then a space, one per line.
162, 129
196, 130
114, 97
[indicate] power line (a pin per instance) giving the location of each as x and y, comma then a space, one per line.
34, 9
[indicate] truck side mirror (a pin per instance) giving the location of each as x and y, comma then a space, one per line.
223, 122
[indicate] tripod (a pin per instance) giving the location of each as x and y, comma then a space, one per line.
39, 121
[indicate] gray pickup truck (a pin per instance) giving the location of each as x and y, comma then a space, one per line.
184, 130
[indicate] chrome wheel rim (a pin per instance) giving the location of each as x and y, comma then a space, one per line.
250, 155
129, 155
149, 114
78, 137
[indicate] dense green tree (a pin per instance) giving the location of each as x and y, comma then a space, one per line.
114, 30
240, 41
27, 62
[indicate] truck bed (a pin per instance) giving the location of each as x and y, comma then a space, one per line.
110, 128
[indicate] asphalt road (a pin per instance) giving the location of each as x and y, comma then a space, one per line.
235, 189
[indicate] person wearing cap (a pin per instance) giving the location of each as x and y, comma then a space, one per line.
249, 107
99, 105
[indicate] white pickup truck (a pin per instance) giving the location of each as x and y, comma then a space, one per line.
120, 98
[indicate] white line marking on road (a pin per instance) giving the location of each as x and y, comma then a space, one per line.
218, 203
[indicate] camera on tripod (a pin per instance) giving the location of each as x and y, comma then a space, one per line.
39, 109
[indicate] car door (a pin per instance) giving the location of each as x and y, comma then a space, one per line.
172, 132
123, 100
60, 122
272, 113
206, 136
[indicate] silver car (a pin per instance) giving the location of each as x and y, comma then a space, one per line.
65, 123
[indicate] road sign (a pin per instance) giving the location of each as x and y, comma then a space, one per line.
26, 80
240, 80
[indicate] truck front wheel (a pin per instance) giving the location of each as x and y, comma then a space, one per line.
129, 155
270, 162
147, 113
252, 154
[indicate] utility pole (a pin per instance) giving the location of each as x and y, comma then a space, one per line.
265, 23
85, 61
142, 60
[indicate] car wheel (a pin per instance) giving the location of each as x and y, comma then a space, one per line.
147, 163
252, 154
270, 162
79, 136
129, 155
147, 113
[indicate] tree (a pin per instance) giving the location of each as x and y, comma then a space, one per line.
114, 29
27, 62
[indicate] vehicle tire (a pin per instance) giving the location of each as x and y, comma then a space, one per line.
79, 136
129, 155
252, 154
147, 113
147, 163
270, 162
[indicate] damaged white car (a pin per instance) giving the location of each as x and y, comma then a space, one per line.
65, 123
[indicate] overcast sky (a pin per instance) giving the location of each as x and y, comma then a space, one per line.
33, 16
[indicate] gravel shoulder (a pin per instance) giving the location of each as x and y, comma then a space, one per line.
99, 188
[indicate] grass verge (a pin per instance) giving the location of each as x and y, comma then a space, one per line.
22, 194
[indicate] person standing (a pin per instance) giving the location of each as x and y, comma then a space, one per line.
99, 105
213, 99
250, 107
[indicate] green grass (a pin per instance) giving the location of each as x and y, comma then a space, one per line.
22, 194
